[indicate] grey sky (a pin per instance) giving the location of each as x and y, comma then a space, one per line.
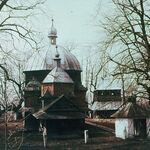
75, 20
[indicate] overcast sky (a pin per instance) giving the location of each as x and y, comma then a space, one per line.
75, 20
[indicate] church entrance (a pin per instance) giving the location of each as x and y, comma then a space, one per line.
140, 127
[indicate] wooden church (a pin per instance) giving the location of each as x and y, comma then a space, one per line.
54, 94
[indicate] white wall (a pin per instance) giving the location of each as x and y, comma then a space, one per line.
148, 127
124, 128
130, 128
121, 126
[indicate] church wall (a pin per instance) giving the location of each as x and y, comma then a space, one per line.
58, 89
63, 88
124, 128
64, 125
30, 122
75, 76
80, 97
32, 99
47, 87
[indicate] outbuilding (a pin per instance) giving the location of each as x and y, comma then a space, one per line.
132, 120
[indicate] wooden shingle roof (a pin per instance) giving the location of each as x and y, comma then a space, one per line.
60, 108
132, 110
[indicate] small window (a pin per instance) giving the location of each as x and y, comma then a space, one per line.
52, 41
112, 93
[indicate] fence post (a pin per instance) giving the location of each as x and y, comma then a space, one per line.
85, 136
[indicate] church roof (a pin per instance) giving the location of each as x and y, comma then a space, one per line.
60, 108
131, 110
44, 59
68, 60
57, 75
58, 115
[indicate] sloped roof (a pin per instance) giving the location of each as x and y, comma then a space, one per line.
60, 108
58, 115
144, 104
131, 110
44, 59
68, 60
58, 75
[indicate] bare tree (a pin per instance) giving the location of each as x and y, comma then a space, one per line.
95, 69
129, 41
15, 33
14, 29
71, 46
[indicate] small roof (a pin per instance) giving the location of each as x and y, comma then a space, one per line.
58, 115
131, 110
58, 75
61, 98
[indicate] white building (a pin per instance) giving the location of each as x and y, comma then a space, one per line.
132, 120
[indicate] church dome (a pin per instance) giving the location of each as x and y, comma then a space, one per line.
53, 32
68, 60
44, 60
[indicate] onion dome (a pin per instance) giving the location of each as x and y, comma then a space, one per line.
33, 85
53, 32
